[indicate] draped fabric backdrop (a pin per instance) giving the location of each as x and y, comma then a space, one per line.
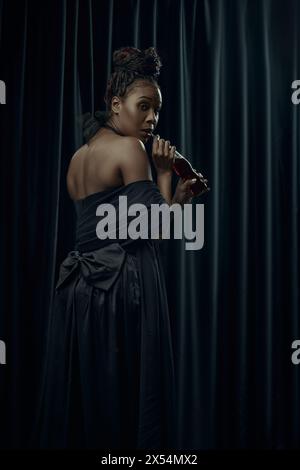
234, 304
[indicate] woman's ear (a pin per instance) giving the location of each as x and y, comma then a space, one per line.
116, 104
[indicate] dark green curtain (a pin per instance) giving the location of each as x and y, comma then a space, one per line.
234, 305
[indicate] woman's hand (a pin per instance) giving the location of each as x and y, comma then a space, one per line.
183, 193
163, 155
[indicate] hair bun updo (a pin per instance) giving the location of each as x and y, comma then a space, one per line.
130, 64
142, 62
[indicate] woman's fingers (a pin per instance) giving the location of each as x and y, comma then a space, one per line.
163, 153
163, 147
184, 194
202, 177
155, 144
167, 148
186, 186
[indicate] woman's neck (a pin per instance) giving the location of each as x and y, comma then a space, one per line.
109, 125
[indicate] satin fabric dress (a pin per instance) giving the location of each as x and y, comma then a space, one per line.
109, 371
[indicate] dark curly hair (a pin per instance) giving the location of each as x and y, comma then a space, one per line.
129, 64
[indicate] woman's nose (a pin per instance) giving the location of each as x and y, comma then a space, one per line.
152, 118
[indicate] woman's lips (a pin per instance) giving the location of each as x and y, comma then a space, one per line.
148, 133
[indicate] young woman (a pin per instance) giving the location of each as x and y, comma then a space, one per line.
109, 372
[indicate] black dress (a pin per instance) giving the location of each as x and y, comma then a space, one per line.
109, 372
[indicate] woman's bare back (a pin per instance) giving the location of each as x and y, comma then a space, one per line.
95, 166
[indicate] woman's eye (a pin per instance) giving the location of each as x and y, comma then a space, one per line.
145, 107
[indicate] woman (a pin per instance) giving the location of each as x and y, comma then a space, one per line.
109, 375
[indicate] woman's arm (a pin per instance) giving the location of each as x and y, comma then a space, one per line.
182, 194
163, 157
164, 181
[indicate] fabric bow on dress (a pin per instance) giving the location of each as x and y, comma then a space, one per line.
99, 268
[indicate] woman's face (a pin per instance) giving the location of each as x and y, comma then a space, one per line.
140, 110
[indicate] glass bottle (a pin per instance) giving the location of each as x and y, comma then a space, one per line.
184, 169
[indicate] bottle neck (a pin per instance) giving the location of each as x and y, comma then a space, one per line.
178, 156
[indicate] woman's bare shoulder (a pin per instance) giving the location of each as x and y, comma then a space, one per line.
128, 157
117, 147
107, 162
